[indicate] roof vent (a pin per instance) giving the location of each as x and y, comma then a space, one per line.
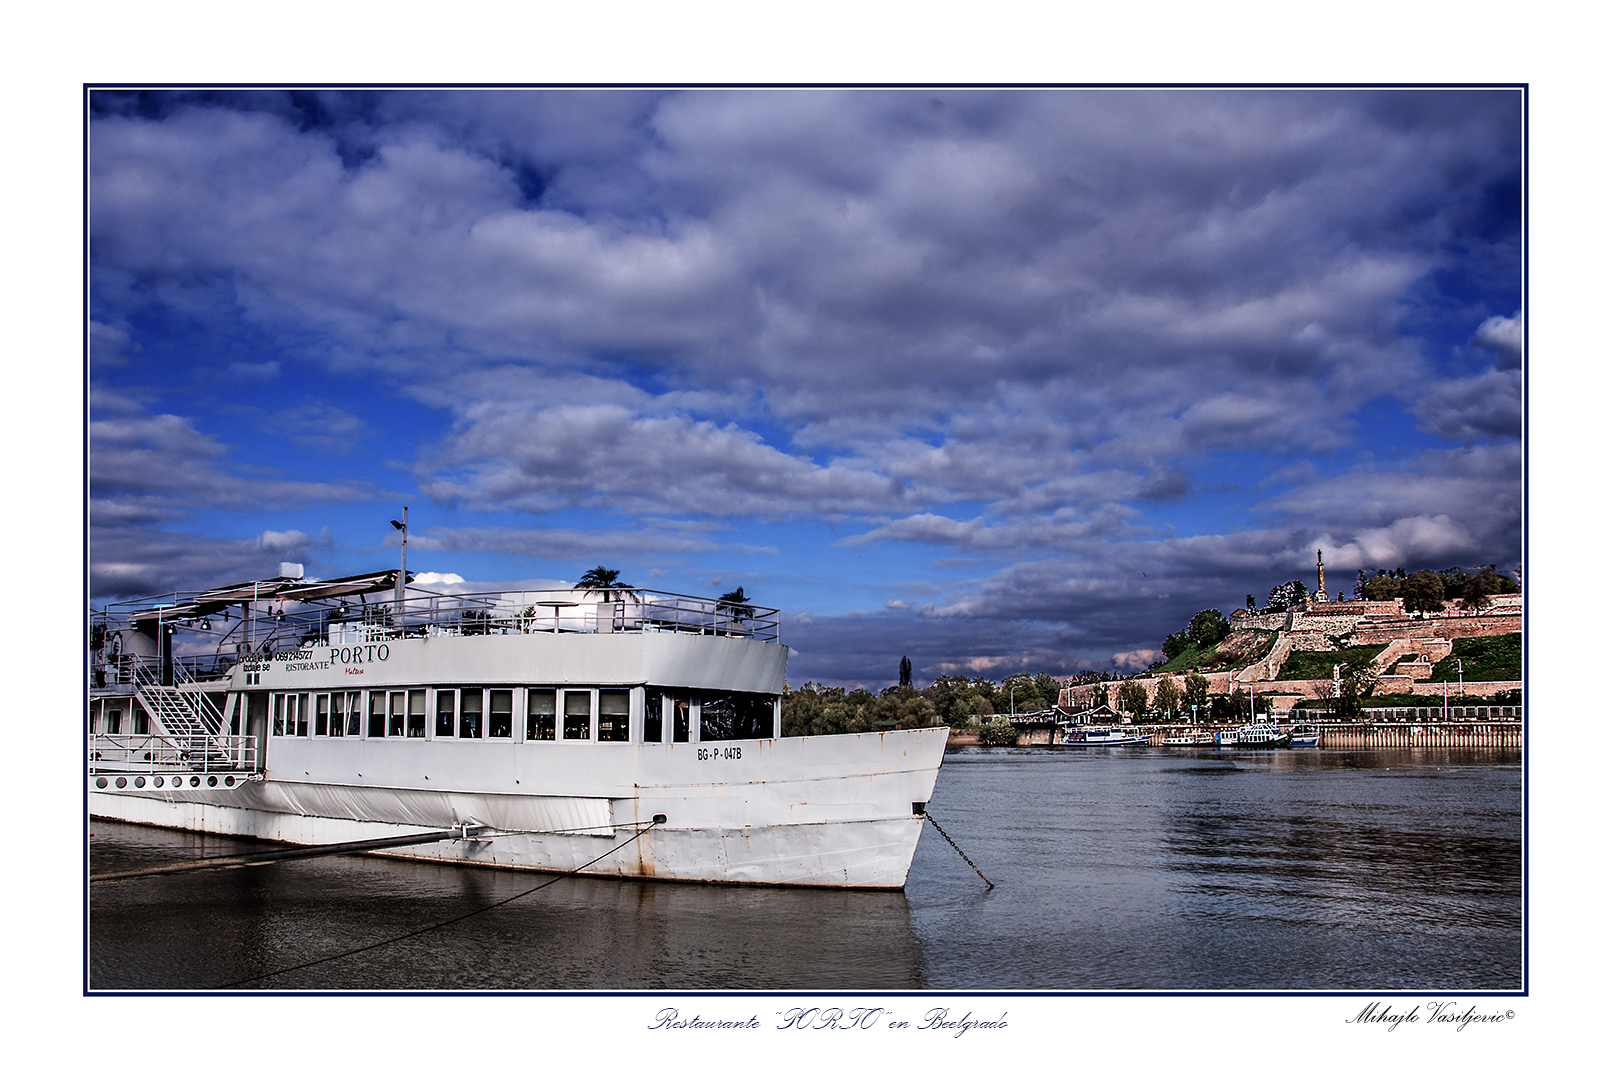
291, 569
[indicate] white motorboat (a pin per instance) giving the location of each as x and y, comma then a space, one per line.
1104, 737
1253, 736
1189, 738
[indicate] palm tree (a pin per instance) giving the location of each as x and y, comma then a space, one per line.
603, 581
737, 604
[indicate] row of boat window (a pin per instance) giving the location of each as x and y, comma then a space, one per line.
549, 714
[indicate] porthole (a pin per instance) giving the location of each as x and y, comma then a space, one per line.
195, 781
139, 781
229, 781
157, 782
212, 781
123, 781
100, 781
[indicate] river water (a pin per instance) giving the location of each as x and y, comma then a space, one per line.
1115, 869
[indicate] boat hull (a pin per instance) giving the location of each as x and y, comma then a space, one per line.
842, 810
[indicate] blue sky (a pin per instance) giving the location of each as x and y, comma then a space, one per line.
1000, 380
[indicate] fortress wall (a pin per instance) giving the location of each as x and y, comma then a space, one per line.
1246, 620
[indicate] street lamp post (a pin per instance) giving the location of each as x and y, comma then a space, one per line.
403, 566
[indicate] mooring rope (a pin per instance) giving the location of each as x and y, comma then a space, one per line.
930, 818
659, 819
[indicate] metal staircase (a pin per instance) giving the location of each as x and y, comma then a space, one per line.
183, 716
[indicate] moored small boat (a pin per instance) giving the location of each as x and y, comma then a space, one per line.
1254, 736
1189, 738
1305, 735
1104, 737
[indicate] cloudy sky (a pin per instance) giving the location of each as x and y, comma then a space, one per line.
1000, 380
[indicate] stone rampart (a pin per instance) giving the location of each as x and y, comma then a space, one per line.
1259, 620
1458, 626
1335, 625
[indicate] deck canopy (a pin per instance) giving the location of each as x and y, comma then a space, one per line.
215, 600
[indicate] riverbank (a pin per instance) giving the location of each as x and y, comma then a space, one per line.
1413, 732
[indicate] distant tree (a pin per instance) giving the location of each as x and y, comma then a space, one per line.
1424, 591
1357, 680
736, 604
1251, 604
905, 672
1382, 587
1026, 693
1195, 691
605, 582
1455, 582
1289, 594
1483, 583
1099, 696
1326, 692
1132, 698
1176, 644
1208, 628
1166, 698
998, 733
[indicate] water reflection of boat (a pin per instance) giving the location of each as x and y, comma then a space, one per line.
1305, 735
1104, 737
1253, 735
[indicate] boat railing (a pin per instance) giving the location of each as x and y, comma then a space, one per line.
206, 635
166, 754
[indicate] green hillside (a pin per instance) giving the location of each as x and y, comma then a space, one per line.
1482, 659
1318, 665
1237, 650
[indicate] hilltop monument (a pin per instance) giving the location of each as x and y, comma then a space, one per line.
1321, 574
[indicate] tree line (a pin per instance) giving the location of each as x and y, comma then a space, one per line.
951, 701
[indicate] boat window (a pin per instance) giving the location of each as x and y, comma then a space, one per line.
613, 716
302, 715
395, 714
142, 723
114, 720
355, 710
279, 714
652, 727
377, 715
681, 702
416, 714
735, 715
444, 714
500, 713
578, 713
470, 713
540, 715
321, 714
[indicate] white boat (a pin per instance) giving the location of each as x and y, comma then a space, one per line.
638, 736
1189, 738
1304, 735
1253, 735
1103, 737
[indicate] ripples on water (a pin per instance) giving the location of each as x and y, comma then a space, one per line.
1115, 869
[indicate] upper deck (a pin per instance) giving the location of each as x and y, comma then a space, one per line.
206, 634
